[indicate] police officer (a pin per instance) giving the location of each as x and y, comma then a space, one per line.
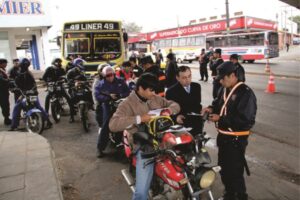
149, 67
234, 112
4, 86
54, 74
240, 69
214, 63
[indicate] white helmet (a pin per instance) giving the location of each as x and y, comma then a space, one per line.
101, 67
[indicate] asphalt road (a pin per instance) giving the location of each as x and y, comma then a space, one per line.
272, 154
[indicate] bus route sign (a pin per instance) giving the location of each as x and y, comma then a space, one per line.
91, 26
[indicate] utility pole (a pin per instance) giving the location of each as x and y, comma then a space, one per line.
227, 17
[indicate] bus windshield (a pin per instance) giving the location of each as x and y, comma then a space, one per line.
93, 46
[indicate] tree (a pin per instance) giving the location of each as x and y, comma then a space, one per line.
296, 19
132, 27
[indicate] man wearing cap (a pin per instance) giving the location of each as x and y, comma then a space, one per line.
217, 61
240, 69
149, 67
109, 89
4, 97
234, 112
13, 73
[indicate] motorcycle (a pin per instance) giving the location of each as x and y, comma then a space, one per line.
57, 102
182, 167
81, 91
31, 114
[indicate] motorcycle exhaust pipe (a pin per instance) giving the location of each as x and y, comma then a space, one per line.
127, 176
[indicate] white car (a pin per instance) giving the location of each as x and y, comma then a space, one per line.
185, 56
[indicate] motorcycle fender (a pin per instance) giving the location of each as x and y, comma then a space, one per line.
166, 170
34, 110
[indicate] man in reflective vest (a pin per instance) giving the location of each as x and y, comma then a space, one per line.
234, 112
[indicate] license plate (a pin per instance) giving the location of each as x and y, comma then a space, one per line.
32, 99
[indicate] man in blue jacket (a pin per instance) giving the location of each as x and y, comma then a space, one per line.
109, 89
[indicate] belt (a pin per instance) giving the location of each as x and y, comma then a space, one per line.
234, 133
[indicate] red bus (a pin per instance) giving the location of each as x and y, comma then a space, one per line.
249, 46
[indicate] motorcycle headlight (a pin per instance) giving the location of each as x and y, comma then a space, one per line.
205, 177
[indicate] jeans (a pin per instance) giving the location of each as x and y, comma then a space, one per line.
17, 111
144, 176
63, 94
103, 137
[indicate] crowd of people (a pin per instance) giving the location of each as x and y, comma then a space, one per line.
146, 86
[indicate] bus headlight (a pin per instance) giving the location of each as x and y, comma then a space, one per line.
205, 177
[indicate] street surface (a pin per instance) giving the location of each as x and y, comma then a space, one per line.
272, 153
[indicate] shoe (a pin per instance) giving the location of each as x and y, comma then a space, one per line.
7, 121
49, 124
100, 154
12, 129
205, 80
227, 196
71, 120
201, 79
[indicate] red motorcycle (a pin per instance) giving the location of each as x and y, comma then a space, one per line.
182, 164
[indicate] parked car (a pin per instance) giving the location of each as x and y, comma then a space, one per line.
185, 56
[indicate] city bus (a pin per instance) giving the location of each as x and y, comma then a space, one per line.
95, 42
249, 46
185, 47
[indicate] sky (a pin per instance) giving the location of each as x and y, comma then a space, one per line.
161, 14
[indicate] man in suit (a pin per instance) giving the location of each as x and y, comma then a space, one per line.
188, 95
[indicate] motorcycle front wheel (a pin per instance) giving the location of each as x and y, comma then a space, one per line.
35, 123
84, 117
56, 111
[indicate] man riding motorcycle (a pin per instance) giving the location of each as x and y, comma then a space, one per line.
108, 89
53, 74
25, 82
131, 115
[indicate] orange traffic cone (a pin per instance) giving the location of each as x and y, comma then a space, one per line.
267, 68
271, 85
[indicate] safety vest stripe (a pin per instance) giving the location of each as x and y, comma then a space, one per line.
234, 133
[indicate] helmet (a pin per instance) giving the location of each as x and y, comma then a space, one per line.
101, 67
55, 61
24, 64
106, 70
78, 61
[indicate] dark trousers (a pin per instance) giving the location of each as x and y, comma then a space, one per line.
216, 86
231, 158
4, 103
203, 71
64, 94
103, 137
99, 115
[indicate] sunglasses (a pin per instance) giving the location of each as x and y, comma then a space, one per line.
109, 75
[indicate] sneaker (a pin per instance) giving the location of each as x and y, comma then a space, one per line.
7, 121
100, 154
71, 120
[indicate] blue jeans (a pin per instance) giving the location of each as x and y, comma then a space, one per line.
143, 178
17, 111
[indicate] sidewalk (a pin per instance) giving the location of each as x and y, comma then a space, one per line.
27, 168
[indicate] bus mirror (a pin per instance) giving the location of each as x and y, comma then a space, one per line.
58, 41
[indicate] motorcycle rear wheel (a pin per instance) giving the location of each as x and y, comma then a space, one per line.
35, 123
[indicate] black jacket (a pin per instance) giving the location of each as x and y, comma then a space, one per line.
52, 74
171, 74
14, 72
214, 64
161, 77
4, 82
25, 81
241, 109
240, 72
188, 102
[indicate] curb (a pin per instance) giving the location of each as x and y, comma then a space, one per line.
267, 74
55, 168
